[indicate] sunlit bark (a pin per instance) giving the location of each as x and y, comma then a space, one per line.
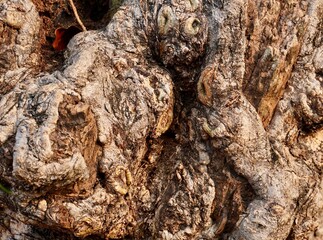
182, 119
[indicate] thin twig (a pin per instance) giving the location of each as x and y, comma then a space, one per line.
77, 15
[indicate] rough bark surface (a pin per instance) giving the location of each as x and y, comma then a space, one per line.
182, 119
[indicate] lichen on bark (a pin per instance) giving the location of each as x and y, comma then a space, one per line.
178, 120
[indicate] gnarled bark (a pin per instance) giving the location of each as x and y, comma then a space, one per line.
179, 120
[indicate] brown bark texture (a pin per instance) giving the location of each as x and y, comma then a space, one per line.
174, 119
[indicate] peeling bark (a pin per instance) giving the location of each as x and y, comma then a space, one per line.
178, 120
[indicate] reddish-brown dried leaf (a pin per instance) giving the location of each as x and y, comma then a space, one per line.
63, 36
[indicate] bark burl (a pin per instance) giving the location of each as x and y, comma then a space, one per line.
182, 119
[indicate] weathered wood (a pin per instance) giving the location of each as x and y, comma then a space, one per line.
182, 119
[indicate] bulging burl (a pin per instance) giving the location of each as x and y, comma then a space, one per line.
181, 32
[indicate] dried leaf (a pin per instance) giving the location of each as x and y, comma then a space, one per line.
63, 36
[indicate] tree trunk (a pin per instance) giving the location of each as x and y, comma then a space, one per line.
199, 119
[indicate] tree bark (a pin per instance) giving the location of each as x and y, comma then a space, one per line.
178, 120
